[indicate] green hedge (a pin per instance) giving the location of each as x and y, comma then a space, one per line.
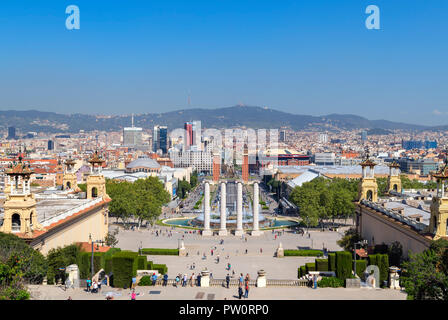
303, 253
343, 265
310, 266
149, 265
162, 268
330, 282
332, 261
384, 267
124, 266
302, 271
141, 263
321, 264
84, 264
158, 251
145, 281
361, 266
108, 265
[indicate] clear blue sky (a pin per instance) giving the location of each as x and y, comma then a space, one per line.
306, 57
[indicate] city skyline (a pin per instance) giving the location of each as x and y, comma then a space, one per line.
298, 57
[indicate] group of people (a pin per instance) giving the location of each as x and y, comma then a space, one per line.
242, 283
183, 279
93, 287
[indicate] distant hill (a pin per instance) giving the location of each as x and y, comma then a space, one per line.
237, 116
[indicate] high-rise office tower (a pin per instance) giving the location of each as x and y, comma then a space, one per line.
50, 145
197, 133
282, 137
11, 133
132, 136
188, 126
363, 135
160, 138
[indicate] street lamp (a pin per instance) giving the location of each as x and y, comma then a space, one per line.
91, 261
361, 243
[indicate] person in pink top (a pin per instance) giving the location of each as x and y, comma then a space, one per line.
133, 295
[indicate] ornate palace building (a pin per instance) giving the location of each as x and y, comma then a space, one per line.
414, 219
54, 219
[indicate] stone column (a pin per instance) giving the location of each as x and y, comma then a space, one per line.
205, 278
280, 253
207, 231
223, 230
239, 211
261, 279
256, 231
182, 250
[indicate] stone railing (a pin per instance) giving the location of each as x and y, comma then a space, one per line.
417, 225
68, 213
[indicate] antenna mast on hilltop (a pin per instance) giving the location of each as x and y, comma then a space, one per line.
132, 119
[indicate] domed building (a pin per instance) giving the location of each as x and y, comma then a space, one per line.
143, 164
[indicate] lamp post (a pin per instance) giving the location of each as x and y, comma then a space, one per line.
361, 243
91, 261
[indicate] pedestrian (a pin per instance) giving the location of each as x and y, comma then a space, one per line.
177, 281
165, 279
133, 295
240, 292
89, 283
199, 280
211, 252
227, 280
99, 286
246, 293
95, 287
261, 250
246, 251
184, 282
241, 279
193, 279
154, 279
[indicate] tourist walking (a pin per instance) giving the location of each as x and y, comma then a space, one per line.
184, 282
261, 250
154, 279
246, 293
240, 280
193, 279
240, 292
165, 279
177, 281
227, 280
133, 295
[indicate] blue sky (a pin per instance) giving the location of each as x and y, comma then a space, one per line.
305, 57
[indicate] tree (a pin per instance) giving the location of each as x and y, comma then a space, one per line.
59, 258
395, 253
194, 179
425, 274
111, 240
350, 238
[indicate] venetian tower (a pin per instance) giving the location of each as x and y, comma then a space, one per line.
394, 181
96, 184
368, 188
69, 181
439, 205
20, 206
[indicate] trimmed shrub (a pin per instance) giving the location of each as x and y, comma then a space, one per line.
162, 268
303, 253
330, 282
303, 270
158, 251
98, 261
383, 260
361, 266
124, 266
343, 265
149, 265
108, 265
321, 264
310, 266
111, 252
332, 261
373, 260
84, 264
145, 281
141, 263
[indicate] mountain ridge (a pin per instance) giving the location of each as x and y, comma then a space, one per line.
236, 116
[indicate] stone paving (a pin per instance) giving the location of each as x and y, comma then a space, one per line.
234, 247
41, 292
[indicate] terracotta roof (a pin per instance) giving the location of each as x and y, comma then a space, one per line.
368, 163
394, 165
19, 168
95, 158
87, 247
